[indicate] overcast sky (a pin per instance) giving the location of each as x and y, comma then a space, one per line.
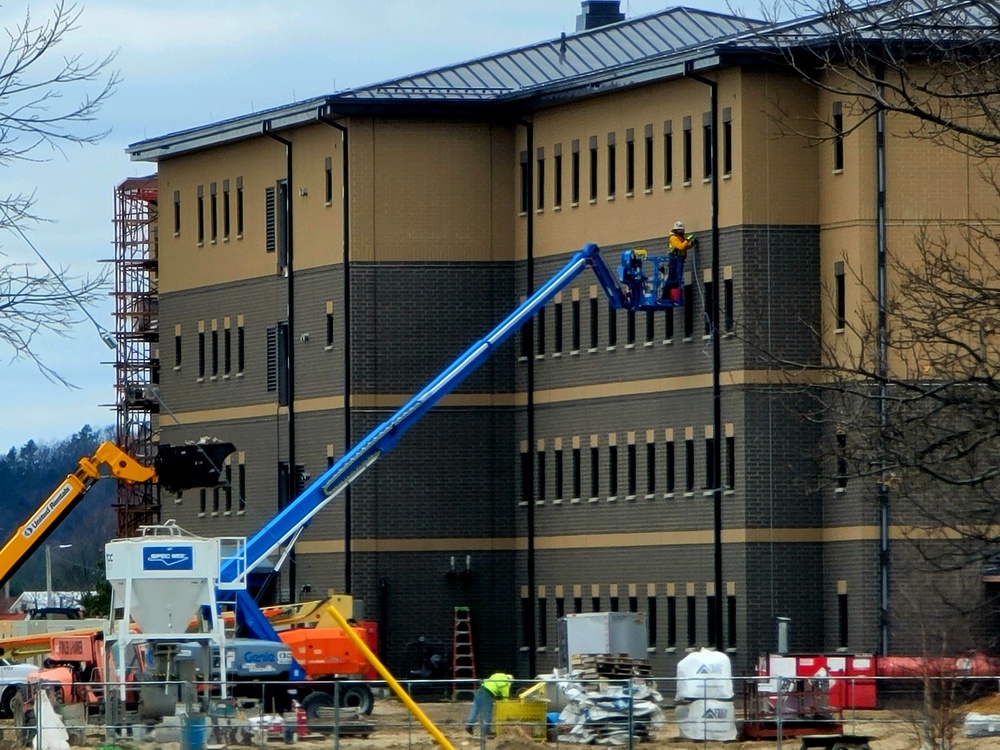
198, 62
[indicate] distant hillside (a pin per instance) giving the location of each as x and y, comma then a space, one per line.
28, 475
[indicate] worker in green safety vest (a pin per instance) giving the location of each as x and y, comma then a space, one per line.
496, 686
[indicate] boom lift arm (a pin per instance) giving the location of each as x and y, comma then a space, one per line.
636, 288
175, 468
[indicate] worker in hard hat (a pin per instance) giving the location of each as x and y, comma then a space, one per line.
679, 244
493, 688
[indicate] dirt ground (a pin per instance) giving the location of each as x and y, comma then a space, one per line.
392, 727
397, 730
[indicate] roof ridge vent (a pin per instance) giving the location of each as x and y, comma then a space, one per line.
599, 13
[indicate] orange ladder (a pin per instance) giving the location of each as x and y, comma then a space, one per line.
463, 659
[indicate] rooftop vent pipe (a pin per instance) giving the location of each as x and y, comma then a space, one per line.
599, 13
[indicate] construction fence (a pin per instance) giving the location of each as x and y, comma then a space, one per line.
560, 711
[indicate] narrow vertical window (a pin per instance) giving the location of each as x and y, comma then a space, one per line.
593, 168
727, 140
201, 354
841, 460
229, 487
557, 467
613, 604
328, 180
526, 479
613, 470
200, 206
671, 621
241, 475
668, 153
630, 327
612, 327
540, 179
838, 136
284, 228
650, 326
178, 349
731, 620
730, 461
560, 607
709, 463
177, 213
215, 499
710, 620
557, 326
240, 348
629, 161
595, 472
203, 501
540, 469
270, 220
575, 173
227, 351
543, 619
575, 343
577, 473
709, 308
668, 322
595, 604
707, 143
730, 315
215, 352
525, 183
671, 467
650, 468
577, 604
689, 465
692, 621
651, 621
593, 323
329, 324
648, 172
557, 176
686, 146
213, 213
226, 217
526, 618
239, 207
842, 620
841, 295
612, 165
632, 469
688, 311
540, 337
527, 337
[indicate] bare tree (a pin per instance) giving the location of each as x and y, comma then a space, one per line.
47, 100
909, 394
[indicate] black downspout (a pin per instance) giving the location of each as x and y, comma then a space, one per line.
882, 368
716, 362
290, 304
348, 442
530, 385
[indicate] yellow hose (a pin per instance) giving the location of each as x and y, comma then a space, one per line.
396, 687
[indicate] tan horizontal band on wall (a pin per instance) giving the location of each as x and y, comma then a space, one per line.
458, 400
616, 541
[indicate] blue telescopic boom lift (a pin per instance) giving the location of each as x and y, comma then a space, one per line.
642, 284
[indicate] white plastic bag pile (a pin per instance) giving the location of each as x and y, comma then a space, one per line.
598, 712
705, 710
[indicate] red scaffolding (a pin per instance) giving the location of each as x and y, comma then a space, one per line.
137, 366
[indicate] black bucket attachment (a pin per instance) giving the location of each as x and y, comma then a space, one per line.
183, 467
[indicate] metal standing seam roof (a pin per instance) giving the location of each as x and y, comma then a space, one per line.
556, 60
636, 50
497, 77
